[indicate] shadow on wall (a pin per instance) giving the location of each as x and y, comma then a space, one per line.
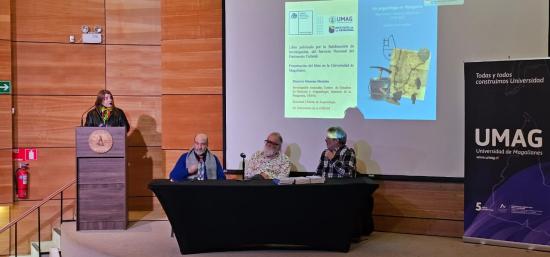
294, 153
140, 167
363, 150
363, 154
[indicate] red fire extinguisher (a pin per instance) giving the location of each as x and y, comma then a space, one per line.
22, 177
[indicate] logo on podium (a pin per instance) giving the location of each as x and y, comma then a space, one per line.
100, 141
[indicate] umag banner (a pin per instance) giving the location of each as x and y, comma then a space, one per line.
507, 166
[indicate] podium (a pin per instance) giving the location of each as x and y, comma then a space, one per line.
101, 178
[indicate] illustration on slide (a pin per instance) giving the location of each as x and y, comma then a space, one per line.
408, 74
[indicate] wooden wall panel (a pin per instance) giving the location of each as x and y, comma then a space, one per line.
434, 227
183, 116
144, 115
6, 135
55, 20
48, 121
59, 69
5, 19
6, 164
133, 22
175, 7
144, 165
6, 176
6, 122
420, 200
145, 208
5, 60
172, 156
192, 66
191, 19
54, 168
426, 208
133, 70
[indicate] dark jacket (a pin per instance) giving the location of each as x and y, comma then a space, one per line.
117, 119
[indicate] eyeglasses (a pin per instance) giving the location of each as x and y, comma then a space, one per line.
267, 142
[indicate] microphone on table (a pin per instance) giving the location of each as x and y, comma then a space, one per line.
243, 156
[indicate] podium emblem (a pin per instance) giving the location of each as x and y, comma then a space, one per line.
100, 141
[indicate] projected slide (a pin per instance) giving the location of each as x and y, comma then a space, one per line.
321, 59
379, 56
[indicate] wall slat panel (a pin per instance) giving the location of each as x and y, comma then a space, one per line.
145, 208
6, 135
436, 227
144, 164
144, 116
420, 200
55, 20
133, 22
5, 60
48, 121
192, 66
59, 69
5, 19
6, 122
133, 70
6, 176
193, 24
191, 19
175, 7
183, 116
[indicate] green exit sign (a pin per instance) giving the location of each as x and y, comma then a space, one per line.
5, 87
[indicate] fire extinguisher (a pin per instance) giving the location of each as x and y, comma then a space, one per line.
22, 177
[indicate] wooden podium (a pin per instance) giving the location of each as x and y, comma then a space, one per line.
101, 178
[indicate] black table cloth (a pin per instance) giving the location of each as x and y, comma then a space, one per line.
229, 215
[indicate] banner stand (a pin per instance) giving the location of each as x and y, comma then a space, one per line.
485, 241
506, 163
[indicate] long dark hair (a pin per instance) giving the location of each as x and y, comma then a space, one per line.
100, 95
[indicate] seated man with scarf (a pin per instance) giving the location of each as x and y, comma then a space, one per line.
198, 164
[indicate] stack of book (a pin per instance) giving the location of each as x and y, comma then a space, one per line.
284, 181
300, 180
316, 179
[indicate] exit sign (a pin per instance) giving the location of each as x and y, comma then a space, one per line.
5, 87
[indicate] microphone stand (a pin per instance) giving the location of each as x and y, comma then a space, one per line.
82, 116
243, 156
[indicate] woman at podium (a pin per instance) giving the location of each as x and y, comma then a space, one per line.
105, 114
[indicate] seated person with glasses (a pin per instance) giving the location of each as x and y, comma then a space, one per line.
338, 160
268, 163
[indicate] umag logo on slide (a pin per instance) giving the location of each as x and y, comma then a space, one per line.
340, 24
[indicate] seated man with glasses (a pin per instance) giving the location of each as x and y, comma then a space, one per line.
268, 163
337, 161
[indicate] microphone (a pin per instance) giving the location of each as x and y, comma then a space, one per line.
82, 116
243, 156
